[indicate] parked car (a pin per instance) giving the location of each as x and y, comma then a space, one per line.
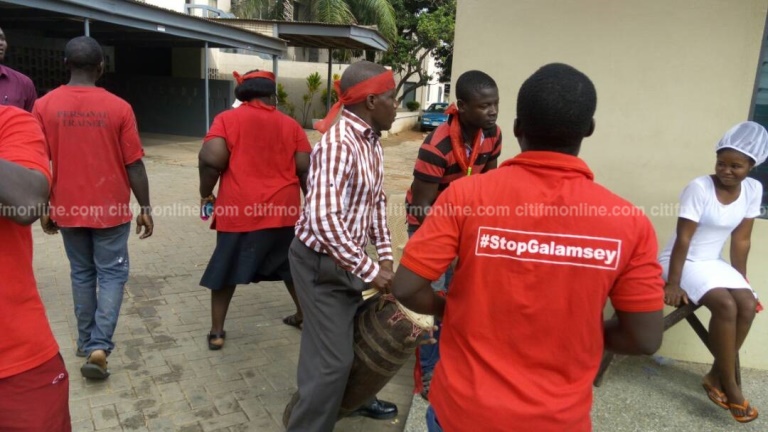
433, 116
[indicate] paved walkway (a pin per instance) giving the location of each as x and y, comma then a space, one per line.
164, 378
654, 394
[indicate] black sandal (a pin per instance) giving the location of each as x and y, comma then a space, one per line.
213, 336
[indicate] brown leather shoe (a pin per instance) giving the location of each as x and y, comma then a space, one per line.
96, 366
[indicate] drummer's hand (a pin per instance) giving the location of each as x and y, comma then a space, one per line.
674, 295
383, 280
429, 338
386, 264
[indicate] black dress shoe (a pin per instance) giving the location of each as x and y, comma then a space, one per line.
378, 409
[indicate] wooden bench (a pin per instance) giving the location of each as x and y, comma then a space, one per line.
686, 312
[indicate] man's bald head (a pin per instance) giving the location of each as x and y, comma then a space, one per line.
83, 52
359, 72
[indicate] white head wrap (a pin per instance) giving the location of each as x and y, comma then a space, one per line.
749, 138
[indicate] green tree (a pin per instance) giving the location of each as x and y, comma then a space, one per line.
252, 9
425, 27
364, 12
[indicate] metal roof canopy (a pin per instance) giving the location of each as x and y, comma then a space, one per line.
131, 21
320, 35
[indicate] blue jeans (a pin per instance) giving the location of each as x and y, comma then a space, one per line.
432, 423
429, 354
97, 257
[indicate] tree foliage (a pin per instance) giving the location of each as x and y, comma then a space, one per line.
425, 27
364, 12
253, 9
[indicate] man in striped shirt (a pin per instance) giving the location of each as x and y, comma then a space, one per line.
345, 208
468, 143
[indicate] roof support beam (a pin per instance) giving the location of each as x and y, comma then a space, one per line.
365, 38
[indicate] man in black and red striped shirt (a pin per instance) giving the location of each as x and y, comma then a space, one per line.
468, 143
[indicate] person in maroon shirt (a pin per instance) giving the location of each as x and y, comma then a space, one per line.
16, 89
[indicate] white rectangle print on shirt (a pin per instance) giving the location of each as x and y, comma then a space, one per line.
561, 249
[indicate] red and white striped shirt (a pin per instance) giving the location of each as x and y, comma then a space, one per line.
345, 202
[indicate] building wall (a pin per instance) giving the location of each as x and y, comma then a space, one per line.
292, 75
671, 78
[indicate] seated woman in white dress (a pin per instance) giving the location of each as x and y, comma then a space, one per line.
712, 208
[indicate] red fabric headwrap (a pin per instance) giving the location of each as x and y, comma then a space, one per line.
258, 74
379, 84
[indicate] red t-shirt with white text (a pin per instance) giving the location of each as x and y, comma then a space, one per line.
259, 189
92, 136
541, 247
27, 340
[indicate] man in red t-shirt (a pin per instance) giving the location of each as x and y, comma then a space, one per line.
34, 384
95, 150
261, 157
468, 143
541, 247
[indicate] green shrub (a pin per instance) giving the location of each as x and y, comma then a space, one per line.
334, 96
412, 105
313, 86
282, 101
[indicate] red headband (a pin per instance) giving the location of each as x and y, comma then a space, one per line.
257, 74
379, 84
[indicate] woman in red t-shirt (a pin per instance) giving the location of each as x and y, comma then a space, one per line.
260, 158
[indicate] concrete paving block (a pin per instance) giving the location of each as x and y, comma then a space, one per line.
164, 378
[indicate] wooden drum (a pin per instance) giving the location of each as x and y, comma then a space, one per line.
386, 336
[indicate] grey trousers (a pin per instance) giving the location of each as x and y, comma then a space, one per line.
329, 297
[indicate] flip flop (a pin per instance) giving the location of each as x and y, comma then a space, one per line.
292, 321
746, 408
212, 337
96, 366
715, 395
94, 371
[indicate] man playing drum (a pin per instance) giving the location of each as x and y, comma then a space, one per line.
523, 333
345, 207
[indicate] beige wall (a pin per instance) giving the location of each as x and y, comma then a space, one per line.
671, 78
292, 75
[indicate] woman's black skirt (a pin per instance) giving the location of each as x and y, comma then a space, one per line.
255, 256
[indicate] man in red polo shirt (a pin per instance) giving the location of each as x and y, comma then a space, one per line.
541, 247
34, 384
95, 152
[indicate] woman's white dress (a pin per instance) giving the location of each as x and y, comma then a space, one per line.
704, 267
